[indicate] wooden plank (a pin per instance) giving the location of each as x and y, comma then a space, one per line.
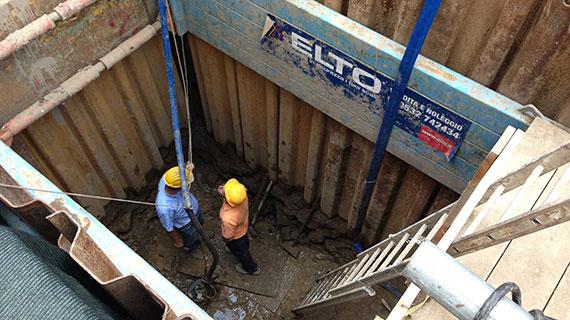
386, 15
287, 143
335, 161
272, 125
445, 29
259, 115
314, 154
233, 98
407, 15
557, 306
200, 80
523, 258
414, 197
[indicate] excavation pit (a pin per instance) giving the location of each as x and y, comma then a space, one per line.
288, 270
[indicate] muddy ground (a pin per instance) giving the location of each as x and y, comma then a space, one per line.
284, 280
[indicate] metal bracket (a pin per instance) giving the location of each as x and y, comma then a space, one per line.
368, 289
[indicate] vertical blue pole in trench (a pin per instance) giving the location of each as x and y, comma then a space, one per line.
415, 44
172, 100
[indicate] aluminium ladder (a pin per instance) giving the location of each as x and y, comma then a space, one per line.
454, 228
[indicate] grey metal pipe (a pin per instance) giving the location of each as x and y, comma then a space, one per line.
74, 84
455, 287
41, 25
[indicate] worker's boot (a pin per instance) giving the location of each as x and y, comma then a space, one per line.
241, 270
196, 253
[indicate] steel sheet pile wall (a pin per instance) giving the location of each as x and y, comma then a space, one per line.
271, 128
107, 137
514, 47
519, 48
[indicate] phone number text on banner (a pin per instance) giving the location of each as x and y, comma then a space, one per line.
421, 117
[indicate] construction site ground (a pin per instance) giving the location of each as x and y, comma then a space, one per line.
284, 279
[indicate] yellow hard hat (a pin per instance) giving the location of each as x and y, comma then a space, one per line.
172, 177
235, 192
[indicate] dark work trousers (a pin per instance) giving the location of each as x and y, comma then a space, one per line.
240, 249
190, 236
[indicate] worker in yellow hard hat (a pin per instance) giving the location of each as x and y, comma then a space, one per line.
170, 210
234, 217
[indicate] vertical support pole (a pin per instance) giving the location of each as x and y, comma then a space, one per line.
178, 137
415, 44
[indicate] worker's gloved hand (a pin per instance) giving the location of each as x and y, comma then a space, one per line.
190, 166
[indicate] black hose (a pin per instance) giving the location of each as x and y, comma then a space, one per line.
538, 315
209, 245
498, 294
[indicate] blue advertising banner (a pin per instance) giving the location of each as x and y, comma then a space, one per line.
425, 119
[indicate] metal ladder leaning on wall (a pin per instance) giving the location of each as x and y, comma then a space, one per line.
449, 227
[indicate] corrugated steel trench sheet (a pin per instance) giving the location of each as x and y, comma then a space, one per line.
138, 287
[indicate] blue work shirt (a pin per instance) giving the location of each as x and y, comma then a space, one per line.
170, 208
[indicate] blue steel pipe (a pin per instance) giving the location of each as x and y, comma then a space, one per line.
178, 138
415, 44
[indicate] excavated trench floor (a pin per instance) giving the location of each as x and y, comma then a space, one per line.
284, 279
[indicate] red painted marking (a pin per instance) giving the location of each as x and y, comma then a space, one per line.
436, 140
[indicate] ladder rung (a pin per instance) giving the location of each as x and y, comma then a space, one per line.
513, 228
346, 275
315, 291
395, 251
437, 226
484, 211
430, 220
380, 259
316, 288
357, 269
549, 162
373, 278
369, 263
522, 192
337, 269
410, 245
